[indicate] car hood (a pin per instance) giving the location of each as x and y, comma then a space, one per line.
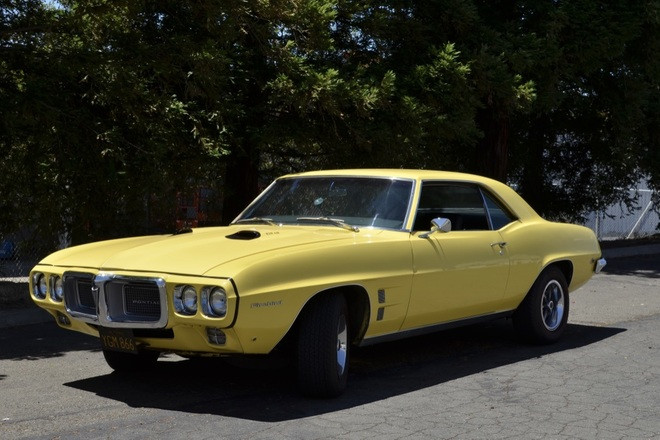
194, 253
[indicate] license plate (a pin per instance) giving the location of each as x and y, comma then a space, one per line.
118, 339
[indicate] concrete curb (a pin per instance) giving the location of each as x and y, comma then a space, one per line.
632, 251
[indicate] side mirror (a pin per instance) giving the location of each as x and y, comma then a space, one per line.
439, 224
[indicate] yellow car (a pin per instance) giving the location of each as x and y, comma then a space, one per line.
319, 262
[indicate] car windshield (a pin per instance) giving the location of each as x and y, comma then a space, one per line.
356, 201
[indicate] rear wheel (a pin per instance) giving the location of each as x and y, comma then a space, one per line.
129, 362
543, 314
323, 348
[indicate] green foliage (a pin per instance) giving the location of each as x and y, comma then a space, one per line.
109, 109
585, 140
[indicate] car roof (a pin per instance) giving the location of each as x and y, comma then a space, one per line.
506, 193
393, 173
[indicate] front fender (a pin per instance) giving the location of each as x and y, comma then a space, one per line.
273, 291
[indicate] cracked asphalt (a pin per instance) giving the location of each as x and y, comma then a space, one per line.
601, 381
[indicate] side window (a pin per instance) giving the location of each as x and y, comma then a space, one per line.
499, 216
462, 204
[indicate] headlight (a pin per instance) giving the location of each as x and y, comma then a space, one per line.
218, 302
39, 285
56, 288
190, 299
185, 300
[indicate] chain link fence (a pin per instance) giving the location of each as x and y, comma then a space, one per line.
198, 206
618, 223
18, 254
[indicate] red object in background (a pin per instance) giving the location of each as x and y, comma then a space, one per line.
197, 209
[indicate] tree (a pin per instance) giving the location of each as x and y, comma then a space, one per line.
587, 138
143, 99
109, 109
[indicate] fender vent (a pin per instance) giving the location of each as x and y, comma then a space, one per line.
244, 235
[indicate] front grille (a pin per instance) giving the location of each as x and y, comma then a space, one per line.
85, 296
132, 299
142, 300
79, 297
116, 301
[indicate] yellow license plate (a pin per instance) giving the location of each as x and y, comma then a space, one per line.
118, 339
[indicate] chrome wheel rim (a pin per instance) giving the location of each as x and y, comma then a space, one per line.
552, 305
342, 345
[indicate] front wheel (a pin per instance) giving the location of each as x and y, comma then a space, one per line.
323, 348
129, 362
543, 314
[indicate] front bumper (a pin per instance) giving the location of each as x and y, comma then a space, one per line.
142, 303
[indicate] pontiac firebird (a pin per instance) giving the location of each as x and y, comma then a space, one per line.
324, 261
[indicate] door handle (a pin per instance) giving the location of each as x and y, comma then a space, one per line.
501, 244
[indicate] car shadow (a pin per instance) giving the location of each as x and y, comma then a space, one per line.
42, 341
265, 390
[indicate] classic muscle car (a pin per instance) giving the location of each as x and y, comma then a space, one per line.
322, 261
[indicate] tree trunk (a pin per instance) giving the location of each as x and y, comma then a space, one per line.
532, 186
491, 156
241, 183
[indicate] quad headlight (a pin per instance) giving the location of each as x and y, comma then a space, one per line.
218, 301
214, 300
185, 300
56, 288
39, 285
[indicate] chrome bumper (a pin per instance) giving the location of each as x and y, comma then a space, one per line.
600, 264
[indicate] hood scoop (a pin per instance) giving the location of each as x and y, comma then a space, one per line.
244, 235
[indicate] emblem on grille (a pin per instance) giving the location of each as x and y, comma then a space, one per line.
144, 302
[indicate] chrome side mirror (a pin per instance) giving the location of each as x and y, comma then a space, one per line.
439, 224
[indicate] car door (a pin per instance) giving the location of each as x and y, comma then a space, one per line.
458, 274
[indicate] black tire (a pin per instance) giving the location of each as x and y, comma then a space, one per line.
323, 347
541, 317
128, 362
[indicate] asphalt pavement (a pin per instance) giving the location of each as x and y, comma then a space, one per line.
601, 381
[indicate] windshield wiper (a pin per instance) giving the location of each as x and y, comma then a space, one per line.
264, 220
333, 221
